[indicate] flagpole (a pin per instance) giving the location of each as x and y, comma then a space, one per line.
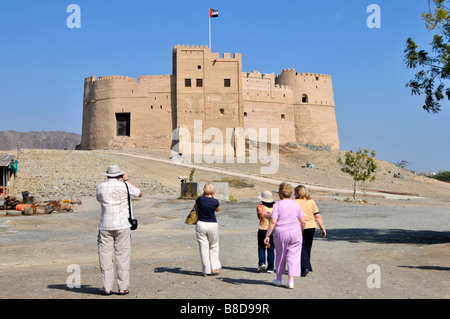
210, 33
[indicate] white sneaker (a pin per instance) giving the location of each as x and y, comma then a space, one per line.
290, 285
277, 283
261, 268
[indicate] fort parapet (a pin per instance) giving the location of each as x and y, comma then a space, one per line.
210, 87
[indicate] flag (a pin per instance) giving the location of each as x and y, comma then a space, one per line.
213, 13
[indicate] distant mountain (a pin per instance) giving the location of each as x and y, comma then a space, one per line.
57, 140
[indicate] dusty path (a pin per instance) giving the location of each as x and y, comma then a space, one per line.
407, 239
410, 246
263, 179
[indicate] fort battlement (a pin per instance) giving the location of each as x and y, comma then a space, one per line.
225, 56
212, 88
294, 72
200, 49
115, 77
258, 75
183, 46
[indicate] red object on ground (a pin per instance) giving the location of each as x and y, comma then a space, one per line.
21, 207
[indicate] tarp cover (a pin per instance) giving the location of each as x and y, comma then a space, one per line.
5, 160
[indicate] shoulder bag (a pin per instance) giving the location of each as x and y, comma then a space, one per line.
192, 218
133, 222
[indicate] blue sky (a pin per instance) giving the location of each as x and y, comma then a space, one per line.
43, 63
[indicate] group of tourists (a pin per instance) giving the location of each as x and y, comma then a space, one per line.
286, 230
285, 233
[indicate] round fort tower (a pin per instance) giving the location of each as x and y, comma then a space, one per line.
103, 99
119, 109
314, 108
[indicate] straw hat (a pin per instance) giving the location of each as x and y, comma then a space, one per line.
266, 197
113, 171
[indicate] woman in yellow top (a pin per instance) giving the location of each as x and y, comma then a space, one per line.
312, 215
264, 212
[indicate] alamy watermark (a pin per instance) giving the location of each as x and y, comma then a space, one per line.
230, 148
74, 19
374, 279
74, 279
374, 20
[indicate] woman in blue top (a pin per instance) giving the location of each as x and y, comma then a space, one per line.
207, 230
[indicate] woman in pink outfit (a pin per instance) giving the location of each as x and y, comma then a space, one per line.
287, 225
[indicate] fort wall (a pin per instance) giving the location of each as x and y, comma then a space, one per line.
210, 87
313, 101
148, 104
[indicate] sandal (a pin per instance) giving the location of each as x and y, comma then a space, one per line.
106, 293
123, 292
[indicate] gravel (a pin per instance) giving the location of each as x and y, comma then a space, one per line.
410, 245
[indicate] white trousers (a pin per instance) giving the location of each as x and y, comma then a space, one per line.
118, 243
208, 244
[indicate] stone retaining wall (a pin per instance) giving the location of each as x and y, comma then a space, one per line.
61, 174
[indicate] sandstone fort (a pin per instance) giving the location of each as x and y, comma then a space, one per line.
210, 87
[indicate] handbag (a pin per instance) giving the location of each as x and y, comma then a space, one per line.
192, 218
133, 222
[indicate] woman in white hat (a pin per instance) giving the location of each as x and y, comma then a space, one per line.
264, 212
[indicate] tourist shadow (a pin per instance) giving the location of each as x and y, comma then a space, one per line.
84, 289
428, 267
244, 281
178, 270
243, 269
388, 236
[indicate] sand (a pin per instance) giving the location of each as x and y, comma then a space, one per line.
401, 243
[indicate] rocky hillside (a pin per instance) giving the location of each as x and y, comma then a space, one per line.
39, 140
59, 174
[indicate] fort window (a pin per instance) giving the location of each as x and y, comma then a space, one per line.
283, 116
151, 107
123, 124
160, 107
187, 83
304, 98
245, 114
227, 83
199, 67
199, 83
222, 111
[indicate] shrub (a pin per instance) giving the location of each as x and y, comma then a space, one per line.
443, 176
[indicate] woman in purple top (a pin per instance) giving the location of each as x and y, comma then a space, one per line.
287, 225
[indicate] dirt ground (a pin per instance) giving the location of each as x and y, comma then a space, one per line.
411, 247
400, 243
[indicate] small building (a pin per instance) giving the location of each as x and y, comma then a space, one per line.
8, 168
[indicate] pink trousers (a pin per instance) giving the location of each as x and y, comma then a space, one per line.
288, 246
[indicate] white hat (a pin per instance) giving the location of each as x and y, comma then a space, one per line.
113, 171
266, 197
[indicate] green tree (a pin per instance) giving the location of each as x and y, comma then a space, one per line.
443, 176
191, 175
402, 164
435, 66
360, 165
